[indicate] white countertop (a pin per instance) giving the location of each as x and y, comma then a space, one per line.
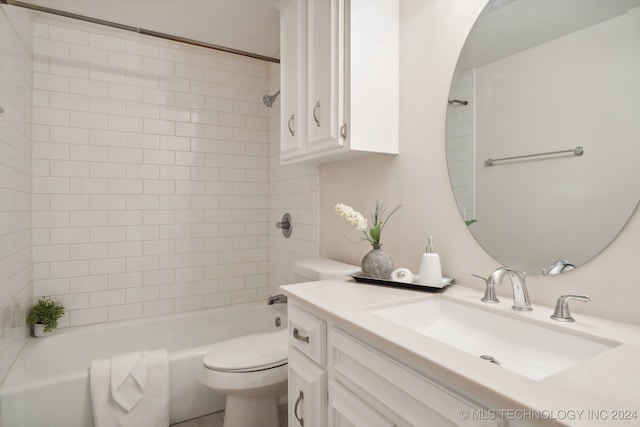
601, 391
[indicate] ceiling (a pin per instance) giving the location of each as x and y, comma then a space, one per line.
508, 26
247, 25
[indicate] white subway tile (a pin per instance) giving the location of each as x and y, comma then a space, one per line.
108, 202
89, 185
125, 311
158, 66
50, 116
124, 60
143, 171
98, 266
125, 155
69, 168
89, 54
88, 120
140, 140
125, 217
47, 150
125, 186
47, 287
46, 253
88, 87
125, 280
189, 100
107, 170
162, 127
69, 202
107, 234
50, 185
87, 316
107, 137
68, 35
51, 48
157, 308
107, 298
126, 92
87, 284
125, 249
143, 202
89, 251
62, 269
139, 109
107, 106
193, 72
189, 303
141, 294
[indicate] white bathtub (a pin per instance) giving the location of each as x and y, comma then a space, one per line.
48, 384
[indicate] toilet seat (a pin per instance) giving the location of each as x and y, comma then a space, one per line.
248, 353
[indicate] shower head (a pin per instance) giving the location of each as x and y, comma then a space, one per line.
270, 99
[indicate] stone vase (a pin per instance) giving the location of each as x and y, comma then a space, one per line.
377, 264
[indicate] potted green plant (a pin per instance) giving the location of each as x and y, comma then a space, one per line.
44, 316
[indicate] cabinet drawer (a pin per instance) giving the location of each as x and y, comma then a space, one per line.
402, 395
308, 334
346, 409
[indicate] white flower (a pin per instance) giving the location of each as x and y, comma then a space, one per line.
353, 217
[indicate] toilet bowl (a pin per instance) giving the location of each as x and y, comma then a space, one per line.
252, 369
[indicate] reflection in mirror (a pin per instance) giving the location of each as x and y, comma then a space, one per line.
542, 76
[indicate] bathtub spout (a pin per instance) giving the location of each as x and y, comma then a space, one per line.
277, 299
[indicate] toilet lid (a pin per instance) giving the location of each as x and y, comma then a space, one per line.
253, 352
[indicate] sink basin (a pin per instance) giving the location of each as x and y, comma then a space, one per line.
522, 347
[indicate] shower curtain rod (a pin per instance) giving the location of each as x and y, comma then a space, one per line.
137, 30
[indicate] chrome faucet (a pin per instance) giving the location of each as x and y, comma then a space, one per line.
520, 294
277, 299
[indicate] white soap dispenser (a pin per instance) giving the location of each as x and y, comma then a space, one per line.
430, 272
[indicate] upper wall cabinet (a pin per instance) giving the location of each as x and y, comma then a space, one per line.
338, 79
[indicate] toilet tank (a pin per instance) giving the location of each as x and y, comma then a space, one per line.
312, 269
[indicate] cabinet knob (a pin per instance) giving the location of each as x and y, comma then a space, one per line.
316, 109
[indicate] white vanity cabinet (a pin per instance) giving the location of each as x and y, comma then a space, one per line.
355, 384
307, 387
339, 79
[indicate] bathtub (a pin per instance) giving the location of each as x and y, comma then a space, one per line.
48, 385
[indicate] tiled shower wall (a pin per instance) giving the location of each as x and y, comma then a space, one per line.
150, 174
15, 183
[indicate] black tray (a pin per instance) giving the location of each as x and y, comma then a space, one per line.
391, 283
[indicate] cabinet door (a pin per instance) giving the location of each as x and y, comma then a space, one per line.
293, 83
307, 392
325, 68
347, 410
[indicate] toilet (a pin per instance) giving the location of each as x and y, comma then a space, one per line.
252, 369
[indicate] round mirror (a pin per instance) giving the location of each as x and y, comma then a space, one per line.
543, 132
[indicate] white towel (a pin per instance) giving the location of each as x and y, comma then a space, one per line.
128, 378
131, 390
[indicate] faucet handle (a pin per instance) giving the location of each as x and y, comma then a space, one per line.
489, 292
561, 313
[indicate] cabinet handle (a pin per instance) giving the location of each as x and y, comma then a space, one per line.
295, 408
343, 131
297, 336
289, 125
315, 115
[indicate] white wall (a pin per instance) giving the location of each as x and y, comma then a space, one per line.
432, 34
15, 185
151, 174
292, 189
